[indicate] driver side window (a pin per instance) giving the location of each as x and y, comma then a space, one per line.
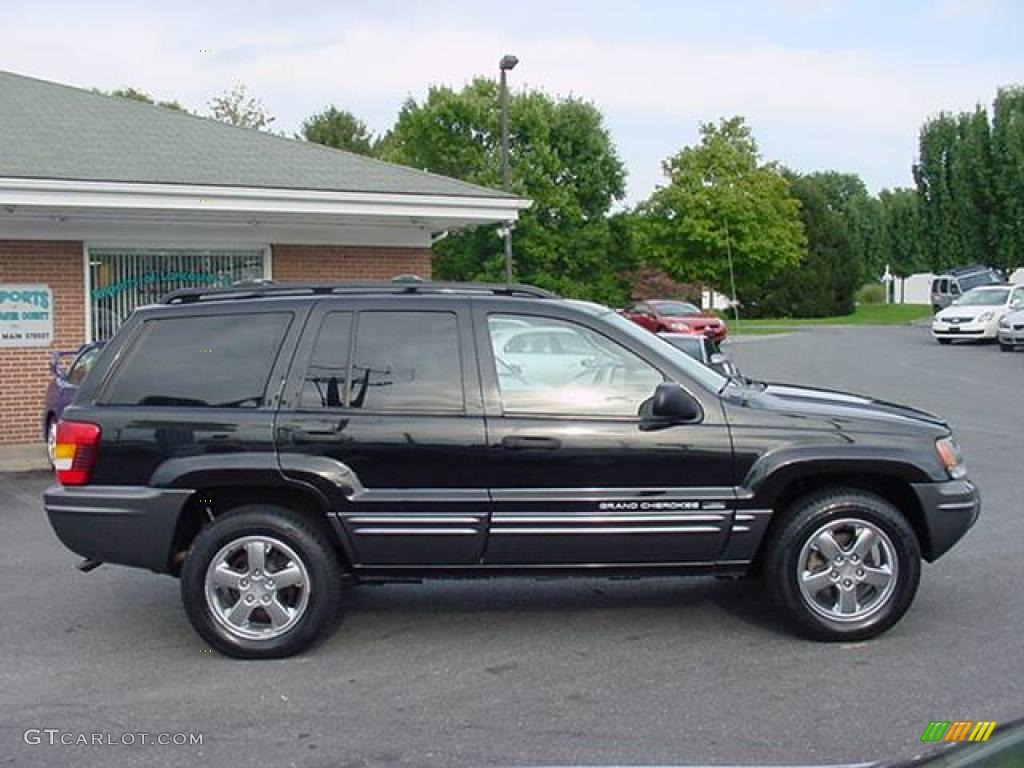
554, 367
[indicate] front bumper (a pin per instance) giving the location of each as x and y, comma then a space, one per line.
973, 330
950, 509
1011, 336
128, 525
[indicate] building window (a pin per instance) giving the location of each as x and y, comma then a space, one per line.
122, 279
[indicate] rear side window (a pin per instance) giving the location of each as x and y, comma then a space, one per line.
207, 361
327, 372
406, 361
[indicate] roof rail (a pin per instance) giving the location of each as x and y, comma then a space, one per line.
405, 284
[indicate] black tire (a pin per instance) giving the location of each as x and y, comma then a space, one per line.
944, 341
660, 329
306, 538
805, 519
1005, 347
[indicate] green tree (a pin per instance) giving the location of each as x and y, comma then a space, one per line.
561, 157
134, 94
825, 280
236, 107
1008, 177
337, 128
903, 248
931, 173
720, 197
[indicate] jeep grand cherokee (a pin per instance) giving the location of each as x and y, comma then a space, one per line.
273, 443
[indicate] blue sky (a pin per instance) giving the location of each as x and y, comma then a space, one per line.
826, 84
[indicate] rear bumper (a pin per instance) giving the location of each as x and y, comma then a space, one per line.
950, 509
128, 525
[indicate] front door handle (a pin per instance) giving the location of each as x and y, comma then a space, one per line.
525, 442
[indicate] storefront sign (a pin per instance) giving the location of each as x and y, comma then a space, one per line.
26, 315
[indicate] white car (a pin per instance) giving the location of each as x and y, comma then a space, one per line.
977, 313
1011, 330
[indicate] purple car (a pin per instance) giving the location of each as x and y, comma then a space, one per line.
63, 386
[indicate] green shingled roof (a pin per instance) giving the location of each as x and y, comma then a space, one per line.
53, 131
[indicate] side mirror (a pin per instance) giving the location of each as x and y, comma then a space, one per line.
1017, 305
674, 405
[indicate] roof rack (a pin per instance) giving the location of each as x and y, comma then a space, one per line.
405, 284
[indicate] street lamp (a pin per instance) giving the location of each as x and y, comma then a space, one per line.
709, 183
508, 61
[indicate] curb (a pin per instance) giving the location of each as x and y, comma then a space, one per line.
26, 457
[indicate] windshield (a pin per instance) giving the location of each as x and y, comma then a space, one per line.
988, 298
703, 375
981, 278
675, 308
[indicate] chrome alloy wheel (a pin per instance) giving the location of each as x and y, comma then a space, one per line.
257, 587
847, 570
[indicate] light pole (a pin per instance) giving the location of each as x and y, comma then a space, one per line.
508, 61
710, 184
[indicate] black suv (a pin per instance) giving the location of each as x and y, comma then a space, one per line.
272, 443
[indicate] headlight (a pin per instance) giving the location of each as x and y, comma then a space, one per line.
950, 458
984, 317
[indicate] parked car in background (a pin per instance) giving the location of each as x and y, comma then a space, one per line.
703, 350
678, 317
64, 381
976, 314
1011, 328
951, 285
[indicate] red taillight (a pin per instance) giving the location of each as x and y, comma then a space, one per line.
75, 451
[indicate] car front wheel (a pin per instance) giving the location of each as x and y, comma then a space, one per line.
845, 565
1005, 347
261, 582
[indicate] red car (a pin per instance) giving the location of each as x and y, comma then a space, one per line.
676, 317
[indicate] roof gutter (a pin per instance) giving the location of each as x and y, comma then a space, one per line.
17, 193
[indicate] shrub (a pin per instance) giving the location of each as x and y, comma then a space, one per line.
872, 293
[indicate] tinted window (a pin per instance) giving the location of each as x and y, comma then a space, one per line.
221, 361
982, 278
327, 372
577, 372
691, 345
407, 361
82, 366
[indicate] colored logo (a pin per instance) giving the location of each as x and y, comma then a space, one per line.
958, 730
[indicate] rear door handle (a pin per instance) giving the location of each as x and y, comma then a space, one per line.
525, 442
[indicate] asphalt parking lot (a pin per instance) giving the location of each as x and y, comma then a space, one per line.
581, 672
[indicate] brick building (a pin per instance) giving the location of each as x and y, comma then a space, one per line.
106, 204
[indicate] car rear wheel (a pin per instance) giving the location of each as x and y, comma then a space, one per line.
845, 566
261, 582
